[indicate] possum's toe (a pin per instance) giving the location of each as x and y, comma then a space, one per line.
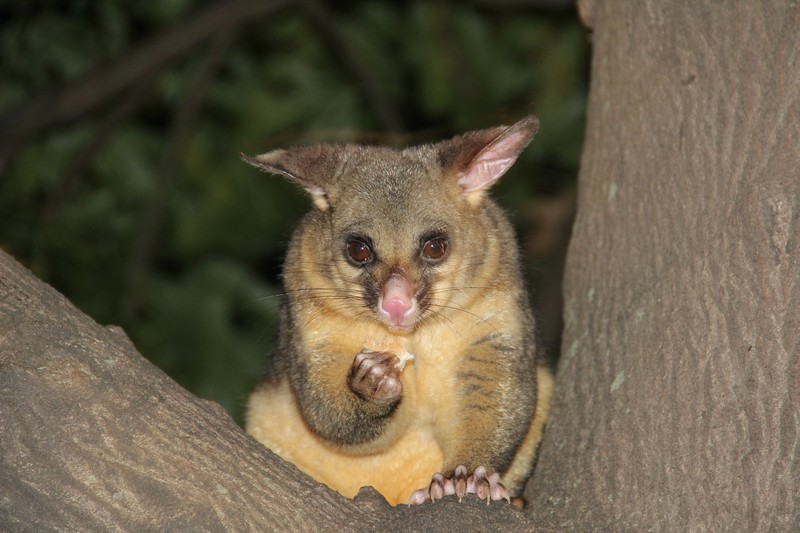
480, 483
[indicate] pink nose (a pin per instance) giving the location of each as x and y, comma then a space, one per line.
397, 307
397, 302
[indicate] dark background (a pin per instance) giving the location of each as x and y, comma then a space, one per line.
121, 124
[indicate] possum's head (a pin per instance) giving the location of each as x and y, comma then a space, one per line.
398, 236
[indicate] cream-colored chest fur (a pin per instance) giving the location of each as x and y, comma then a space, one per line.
403, 464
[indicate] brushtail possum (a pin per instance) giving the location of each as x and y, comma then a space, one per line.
407, 355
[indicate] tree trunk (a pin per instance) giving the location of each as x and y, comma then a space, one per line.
678, 391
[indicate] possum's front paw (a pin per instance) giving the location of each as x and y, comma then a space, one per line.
485, 486
376, 376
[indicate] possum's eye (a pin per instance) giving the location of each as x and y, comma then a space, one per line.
358, 252
434, 249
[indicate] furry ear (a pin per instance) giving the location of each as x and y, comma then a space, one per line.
302, 165
480, 158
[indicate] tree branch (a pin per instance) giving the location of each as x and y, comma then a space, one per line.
95, 438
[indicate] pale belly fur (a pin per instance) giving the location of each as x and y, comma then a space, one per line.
396, 472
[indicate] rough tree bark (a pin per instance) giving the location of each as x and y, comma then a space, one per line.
678, 392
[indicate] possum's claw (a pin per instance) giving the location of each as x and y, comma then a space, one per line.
460, 481
375, 376
485, 486
420, 496
440, 487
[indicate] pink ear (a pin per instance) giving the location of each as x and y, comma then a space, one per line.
497, 156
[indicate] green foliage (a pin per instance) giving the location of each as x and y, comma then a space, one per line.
140, 211
220, 319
